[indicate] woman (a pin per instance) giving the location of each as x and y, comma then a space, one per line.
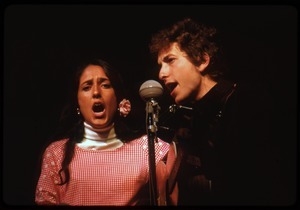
95, 162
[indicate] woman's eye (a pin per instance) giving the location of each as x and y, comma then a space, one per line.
86, 88
106, 85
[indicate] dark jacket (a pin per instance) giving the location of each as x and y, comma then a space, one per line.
227, 148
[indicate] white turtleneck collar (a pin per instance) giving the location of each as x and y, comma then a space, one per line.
100, 139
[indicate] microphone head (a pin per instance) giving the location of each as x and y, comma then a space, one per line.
150, 89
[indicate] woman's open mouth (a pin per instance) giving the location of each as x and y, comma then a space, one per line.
98, 107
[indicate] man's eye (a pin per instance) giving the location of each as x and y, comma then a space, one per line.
170, 60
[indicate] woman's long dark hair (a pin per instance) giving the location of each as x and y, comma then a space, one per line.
71, 124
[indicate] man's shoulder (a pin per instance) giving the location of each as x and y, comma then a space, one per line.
253, 93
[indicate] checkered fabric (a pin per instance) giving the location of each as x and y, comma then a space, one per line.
98, 177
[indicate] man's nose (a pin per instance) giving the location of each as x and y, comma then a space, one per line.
163, 72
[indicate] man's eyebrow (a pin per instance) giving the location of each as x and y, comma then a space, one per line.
165, 58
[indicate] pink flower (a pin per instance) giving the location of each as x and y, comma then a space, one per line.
124, 107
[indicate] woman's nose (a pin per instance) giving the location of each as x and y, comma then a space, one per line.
96, 93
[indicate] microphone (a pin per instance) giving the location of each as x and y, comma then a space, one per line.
150, 89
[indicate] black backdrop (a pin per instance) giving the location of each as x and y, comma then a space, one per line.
43, 42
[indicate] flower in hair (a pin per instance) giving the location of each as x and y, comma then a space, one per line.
124, 107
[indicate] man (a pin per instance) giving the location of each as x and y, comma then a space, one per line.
223, 127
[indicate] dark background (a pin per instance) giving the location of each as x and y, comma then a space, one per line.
43, 42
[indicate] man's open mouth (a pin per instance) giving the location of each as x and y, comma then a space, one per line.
171, 86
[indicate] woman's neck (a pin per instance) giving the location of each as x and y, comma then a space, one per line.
100, 139
99, 134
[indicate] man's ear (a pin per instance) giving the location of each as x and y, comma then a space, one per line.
205, 62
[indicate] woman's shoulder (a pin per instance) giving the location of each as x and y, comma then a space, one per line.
144, 138
160, 145
56, 145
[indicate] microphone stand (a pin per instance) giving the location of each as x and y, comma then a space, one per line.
152, 109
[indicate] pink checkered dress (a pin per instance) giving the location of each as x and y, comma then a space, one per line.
99, 177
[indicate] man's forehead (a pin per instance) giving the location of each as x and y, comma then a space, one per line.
172, 49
